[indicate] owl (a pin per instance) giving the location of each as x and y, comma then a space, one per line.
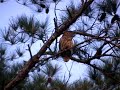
65, 45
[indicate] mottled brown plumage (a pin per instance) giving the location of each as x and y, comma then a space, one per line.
65, 45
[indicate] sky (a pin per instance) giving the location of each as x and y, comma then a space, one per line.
11, 9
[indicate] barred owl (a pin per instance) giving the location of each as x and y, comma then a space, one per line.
65, 45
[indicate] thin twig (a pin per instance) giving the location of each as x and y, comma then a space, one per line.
30, 51
69, 73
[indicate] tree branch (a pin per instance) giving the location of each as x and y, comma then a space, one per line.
106, 39
30, 51
108, 74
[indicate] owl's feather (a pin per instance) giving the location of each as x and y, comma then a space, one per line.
66, 45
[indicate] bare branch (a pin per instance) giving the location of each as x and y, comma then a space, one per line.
30, 51
98, 68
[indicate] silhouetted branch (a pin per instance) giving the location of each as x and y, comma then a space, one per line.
108, 74
106, 39
69, 72
30, 51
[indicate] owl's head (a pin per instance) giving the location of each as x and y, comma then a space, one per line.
69, 33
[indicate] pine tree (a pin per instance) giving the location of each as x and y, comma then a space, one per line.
97, 25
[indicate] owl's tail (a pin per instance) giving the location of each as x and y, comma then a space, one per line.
66, 58
66, 55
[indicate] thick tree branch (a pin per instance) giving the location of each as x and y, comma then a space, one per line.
31, 63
